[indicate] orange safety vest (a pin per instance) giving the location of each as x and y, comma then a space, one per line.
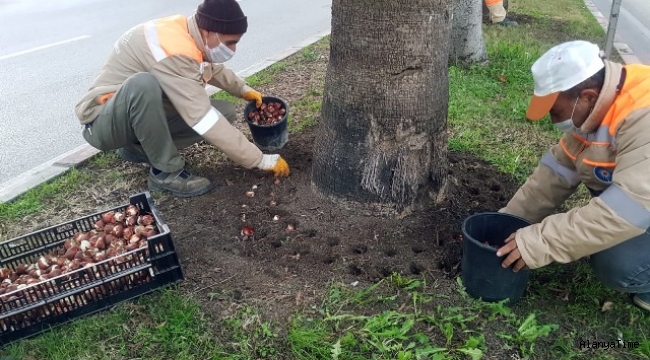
167, 37
632, 95
493, 2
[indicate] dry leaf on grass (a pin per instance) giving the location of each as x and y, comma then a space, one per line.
608, 305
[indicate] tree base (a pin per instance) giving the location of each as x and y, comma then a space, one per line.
381, 145
431, 200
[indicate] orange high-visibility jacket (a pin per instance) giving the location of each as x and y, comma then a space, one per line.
612, 160
172, 50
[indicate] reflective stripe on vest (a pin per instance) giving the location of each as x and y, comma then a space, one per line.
207, 122
601, 137
571, 176
625, 206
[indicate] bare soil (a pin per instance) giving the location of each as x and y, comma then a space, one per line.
281, 270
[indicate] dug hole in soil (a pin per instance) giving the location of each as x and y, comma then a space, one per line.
282, 270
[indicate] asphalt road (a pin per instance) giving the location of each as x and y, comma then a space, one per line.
633, 25
50, 52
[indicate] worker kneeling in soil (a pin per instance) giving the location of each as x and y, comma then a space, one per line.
149, 99
603, 108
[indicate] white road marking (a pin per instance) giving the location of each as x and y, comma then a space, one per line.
4, 57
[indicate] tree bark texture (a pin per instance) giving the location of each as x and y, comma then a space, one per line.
466, 44
382, 139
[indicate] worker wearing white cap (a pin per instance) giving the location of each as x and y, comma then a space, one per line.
603, 108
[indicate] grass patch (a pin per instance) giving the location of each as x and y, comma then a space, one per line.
152, 327
33, 200
488, 102
306, 111
264, 77
267, 75
270, 74
397, 318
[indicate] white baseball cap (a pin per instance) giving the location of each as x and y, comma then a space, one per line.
561, 68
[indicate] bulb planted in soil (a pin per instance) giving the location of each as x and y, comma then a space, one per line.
247, 231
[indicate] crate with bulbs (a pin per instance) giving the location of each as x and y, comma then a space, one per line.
54, 275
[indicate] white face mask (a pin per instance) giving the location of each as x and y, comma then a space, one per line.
221, 53
567, 126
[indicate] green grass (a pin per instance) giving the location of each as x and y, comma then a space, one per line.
306, 111
263, 77
32, 200
267, 75
164, 323
487, 103
397, 317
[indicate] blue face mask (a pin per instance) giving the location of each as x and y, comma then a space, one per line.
567, 126
221, 53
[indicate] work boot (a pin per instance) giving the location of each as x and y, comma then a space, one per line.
507, 22
132, 156
180, 183
642, 301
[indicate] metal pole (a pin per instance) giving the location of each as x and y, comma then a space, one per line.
611, 28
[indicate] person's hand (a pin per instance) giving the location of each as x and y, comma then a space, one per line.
275, 164
251, 95
510, 247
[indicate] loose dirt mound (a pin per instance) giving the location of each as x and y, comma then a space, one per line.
280, 269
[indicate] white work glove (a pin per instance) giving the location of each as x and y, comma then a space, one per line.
274, 163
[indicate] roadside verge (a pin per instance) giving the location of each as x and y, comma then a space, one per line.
50, 170
621, 47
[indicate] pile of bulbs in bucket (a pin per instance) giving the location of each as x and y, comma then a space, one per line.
267, 114
111, 241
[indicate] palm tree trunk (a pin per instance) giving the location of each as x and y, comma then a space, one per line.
382, 140
466, 44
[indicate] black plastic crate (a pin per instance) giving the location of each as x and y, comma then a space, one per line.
50, 303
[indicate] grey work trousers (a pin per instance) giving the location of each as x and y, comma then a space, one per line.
140, 119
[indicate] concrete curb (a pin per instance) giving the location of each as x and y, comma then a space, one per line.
621, 47
13, 188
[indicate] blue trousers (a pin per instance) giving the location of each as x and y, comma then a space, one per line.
626, 266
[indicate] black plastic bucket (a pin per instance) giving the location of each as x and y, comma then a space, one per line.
269, 137
483, 275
